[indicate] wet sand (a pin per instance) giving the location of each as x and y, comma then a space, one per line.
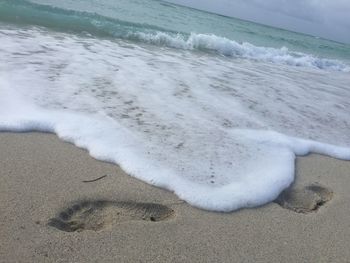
49, 214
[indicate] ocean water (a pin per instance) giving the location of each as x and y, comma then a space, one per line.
212, 108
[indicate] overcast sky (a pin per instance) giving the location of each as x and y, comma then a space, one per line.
325, 18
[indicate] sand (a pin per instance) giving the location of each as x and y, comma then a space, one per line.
121, 219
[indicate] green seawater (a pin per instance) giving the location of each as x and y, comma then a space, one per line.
121, 18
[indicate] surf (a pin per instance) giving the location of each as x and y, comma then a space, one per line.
221, 135
82, 22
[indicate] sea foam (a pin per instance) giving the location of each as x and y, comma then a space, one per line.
220, 135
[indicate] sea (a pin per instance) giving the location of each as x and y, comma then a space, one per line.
212, 108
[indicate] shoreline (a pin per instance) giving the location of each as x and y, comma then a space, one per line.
42, 176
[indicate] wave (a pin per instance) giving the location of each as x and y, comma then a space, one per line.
27, 13
232, 48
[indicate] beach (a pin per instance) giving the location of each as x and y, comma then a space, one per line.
41, 176
149, 131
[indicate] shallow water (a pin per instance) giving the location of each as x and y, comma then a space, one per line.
209, 116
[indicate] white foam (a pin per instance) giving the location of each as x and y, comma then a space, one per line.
232, 48
195, 124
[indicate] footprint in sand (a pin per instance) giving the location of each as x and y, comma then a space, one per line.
304, 200
95, 215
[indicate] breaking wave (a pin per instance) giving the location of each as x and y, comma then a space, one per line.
24, 12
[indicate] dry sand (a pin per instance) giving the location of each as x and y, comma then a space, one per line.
40, 176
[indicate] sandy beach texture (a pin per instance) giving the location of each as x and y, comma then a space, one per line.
49, 214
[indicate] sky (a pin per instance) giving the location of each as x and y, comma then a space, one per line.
324, 18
